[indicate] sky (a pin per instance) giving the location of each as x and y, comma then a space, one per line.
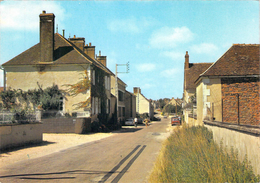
153, 36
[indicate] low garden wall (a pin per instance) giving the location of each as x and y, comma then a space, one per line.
244, 139
12, 135
66, 125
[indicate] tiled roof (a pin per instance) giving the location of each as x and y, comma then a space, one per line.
239, 60
65, 52
193, 72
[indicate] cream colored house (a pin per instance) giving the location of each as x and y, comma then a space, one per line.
143, 105
61, 61
191, 73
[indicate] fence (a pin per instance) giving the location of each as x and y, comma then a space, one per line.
7, 117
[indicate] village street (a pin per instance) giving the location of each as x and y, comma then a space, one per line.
126, 156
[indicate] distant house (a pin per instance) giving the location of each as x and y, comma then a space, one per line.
228, 91
176, 101
143, 105
191, 73
61, 61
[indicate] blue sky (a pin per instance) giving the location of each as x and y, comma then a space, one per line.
152, 35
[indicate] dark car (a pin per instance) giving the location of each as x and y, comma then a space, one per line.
175, 121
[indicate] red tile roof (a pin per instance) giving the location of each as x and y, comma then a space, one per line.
239, 60
192, 73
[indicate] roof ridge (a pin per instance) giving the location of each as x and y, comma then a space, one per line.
244, 44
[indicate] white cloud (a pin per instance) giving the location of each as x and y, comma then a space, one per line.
204, 48
146, 67
129, 25
173, 55
171, 73
24, 15
169, 37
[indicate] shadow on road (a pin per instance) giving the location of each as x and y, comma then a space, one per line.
128, 130
28, 145
53, 175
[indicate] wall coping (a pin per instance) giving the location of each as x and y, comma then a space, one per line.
16, 124
248, 129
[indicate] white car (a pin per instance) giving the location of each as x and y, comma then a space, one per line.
129, 121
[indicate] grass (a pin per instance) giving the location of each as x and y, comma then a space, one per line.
190, 155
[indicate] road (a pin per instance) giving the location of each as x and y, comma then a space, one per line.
127, 156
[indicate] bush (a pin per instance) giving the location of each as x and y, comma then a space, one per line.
190, 155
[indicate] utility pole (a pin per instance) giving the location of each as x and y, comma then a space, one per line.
116, 84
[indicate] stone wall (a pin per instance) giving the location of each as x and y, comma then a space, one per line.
66, 125
244, 139
58, 125
240, 97
20, 134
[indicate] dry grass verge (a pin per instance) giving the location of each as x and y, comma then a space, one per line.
190, 155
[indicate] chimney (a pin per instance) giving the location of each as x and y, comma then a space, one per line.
90, 50
78, 41
137, 90
186, 60
47, 36
102, 59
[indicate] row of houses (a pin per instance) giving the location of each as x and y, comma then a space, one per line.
60, 61
226, 90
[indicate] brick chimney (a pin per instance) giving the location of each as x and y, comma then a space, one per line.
47, 36
137, 90
102, 59
186, 66
90, 50
78, 41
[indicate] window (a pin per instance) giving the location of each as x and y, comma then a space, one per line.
61, 104
120, 95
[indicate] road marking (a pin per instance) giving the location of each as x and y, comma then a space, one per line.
119, 176
118, 165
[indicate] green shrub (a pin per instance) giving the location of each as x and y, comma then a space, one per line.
190, 155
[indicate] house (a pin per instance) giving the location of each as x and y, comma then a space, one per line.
130, 105
228, 91
61, 61
191, 73
176, 101
121, 90
143, 105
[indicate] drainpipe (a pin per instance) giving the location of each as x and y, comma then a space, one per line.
4, 77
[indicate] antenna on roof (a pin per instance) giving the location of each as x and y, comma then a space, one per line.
57, 29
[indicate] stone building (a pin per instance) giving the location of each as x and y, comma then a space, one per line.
228, 91
61, 61
143, 105
191, 73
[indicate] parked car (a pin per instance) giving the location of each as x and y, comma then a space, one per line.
129, 121
175, 121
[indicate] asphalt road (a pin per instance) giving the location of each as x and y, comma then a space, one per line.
127, 156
